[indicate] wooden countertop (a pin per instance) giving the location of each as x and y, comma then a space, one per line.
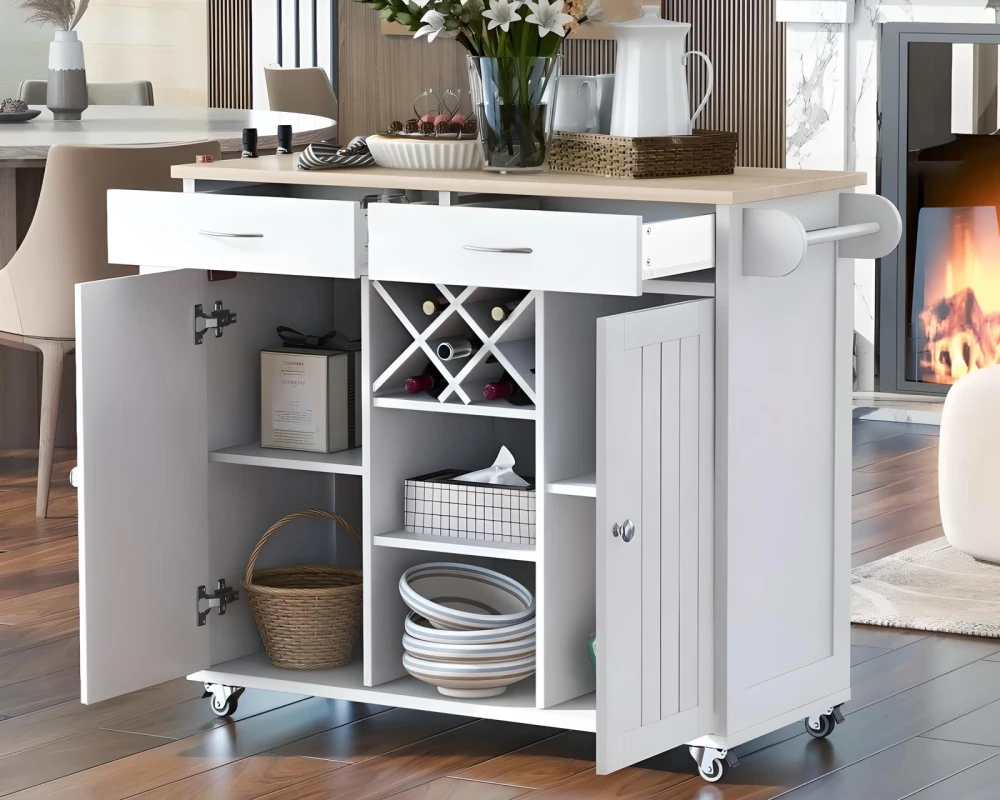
746, 186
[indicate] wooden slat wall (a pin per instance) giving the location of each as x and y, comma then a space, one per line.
588, 56
230, 74
747, 48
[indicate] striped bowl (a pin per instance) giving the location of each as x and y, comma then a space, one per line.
487, 679
465, 596
469, 653
419, 628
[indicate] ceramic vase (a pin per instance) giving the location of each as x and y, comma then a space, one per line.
514, 99
67, 89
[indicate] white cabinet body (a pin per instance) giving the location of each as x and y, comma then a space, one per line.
691, 452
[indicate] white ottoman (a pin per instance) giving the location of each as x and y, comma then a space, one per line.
969, 465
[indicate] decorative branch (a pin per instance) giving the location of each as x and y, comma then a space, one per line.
61, 14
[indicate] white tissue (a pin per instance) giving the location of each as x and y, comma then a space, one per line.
501, 473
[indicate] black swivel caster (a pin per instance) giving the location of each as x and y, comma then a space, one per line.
820, 726
224, 700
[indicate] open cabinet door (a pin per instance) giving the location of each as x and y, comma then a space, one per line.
654, 531
141, 417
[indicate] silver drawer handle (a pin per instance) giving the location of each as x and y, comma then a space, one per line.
524, 251
222, 235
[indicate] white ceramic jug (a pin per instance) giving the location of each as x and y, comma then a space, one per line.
651, 94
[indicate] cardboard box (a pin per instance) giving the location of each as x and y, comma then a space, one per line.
308, 399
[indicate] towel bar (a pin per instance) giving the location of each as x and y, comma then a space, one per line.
775, 242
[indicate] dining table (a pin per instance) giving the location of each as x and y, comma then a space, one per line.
24, 146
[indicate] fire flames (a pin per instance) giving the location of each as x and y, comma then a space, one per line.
959, 322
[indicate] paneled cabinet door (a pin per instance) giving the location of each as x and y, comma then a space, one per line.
141, 417
654, 531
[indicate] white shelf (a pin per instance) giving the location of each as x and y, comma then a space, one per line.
517, 704
689, 284
346, 462
450, 544
580, 486
485, 408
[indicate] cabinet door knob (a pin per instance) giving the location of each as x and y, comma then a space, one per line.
626, 530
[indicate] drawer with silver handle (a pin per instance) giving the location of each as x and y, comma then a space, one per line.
513, 248
279, 235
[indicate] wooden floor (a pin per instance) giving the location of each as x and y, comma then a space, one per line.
924, 721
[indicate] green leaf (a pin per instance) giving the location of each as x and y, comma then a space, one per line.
404, 18
388, 14
452, 24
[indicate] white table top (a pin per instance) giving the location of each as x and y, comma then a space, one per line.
124, 125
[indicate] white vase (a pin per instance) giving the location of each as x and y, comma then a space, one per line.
969, 465
67, 89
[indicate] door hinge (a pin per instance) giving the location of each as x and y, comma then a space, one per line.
218, 319
219, 599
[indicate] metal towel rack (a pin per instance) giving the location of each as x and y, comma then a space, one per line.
775, 242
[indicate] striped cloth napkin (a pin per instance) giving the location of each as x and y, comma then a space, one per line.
327, 155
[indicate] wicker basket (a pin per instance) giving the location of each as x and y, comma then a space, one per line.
702, 153
308, 616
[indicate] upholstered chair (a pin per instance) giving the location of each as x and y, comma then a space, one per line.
67, 244
131, 93
301, 90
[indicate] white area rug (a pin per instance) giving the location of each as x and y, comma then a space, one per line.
930, 587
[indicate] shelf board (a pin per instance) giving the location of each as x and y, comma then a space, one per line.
346, 462
451, 544
700, 283
580, 486
485, 408
517, 704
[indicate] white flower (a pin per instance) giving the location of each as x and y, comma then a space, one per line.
434, 27
594, 12
420, 3
548, 16
502, 13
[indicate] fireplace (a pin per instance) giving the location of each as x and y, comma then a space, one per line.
939, 293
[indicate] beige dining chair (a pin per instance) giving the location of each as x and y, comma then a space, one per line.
67, 244
130, 93
300, 90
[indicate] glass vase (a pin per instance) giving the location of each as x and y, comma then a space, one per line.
514, 99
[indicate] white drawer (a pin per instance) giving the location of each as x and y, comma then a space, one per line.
280, 235
521, 249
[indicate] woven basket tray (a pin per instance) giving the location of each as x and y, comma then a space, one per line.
703, 153
308, 616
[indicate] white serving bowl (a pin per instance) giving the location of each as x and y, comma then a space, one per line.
469, 653
419, 628
465, 596
487, 679
399, 152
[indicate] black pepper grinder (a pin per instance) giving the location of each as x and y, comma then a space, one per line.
249, 143
284, 140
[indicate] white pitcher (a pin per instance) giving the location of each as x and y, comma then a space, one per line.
651, 93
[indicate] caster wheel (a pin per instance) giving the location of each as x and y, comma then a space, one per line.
224, 708
820, 727
715, 772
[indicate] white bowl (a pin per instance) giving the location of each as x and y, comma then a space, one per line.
469, 653
487, 679
465, 596
397, 152
419, 628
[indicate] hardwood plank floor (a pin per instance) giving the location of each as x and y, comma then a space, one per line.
921, 723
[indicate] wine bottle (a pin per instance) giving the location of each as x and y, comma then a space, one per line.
504, 308
434, 306
429, 381
453, 349
506, 389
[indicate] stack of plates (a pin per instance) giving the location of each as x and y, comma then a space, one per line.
471, 632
